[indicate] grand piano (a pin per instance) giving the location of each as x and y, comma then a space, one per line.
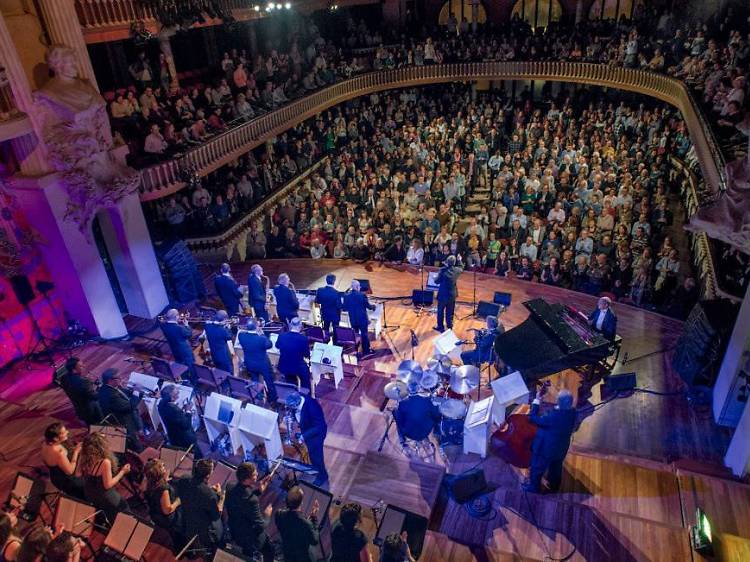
554, 337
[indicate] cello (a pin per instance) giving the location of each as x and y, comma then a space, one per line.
512, 441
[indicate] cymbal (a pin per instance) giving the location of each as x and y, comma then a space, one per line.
395, 390
429, 380
441, 364
453, 409
464, 379
409, 371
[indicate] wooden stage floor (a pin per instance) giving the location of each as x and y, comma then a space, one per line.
638, 468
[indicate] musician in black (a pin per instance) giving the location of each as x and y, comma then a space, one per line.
219, 336
287, 303
416, 417
228, 290
603, 319
485, 339
202, 506
298, 533
357, 305
313, 431
81, 392
178, 420
330, 303
246, 522
551, 442
447, 293
164, 506
348, 542
294, 349
121, 407
178, 333
257, 292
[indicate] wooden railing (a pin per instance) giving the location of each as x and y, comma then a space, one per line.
165, 179
106, 13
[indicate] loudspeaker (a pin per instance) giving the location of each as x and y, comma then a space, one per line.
22, 288
422, 298
622, 382
485, 309
502, 299
468, 485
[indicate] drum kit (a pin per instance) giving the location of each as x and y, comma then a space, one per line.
447, 385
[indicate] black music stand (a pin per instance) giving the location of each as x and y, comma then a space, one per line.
397, 520
27, 495
128, 537
325, 499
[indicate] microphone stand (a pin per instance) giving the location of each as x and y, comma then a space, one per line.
473, 296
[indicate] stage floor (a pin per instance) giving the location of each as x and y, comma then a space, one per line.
638, 467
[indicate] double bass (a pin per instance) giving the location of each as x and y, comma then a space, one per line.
512, 441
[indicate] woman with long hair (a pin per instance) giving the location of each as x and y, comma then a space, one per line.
61, 459
163, 503
34, 544
10, 542
101, 475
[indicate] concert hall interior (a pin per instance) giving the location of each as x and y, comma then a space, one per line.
359, 280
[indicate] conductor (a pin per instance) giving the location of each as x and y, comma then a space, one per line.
416, 417
329, 300
551, 442
447, 293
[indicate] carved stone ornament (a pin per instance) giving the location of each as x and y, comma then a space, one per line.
76, 131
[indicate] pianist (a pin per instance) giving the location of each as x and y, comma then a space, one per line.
603, 320
484, 340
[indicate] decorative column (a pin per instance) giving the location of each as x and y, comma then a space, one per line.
166, 49
63, 27
29, 151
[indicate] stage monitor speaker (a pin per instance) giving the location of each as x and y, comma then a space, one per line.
22, 288
468, 485
397, 520
485, 309
364, 286
503, 299
422, 298
621, 382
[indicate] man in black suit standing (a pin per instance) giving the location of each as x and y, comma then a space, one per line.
298, 533
202, 506
255, 345
121, 406
246, 522
357, 305
416, 417
257, 292
287, 303
330, 303
219, 336
177, 421
447, 292
294, 348
178, 337
313, 431
552, 441
81, 392
228, 290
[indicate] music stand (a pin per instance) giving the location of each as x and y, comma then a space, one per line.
77, 516
177, 462
324, 498
222, 555
27, 495
397, 520
510, 389
259, 426
128, 537
150, 399
222, 414
446, 344
334, 364
223, 474
115, 435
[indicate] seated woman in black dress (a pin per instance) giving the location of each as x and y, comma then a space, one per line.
10, 542
348, 543
61, 460
34, 544
101, 475
163, 503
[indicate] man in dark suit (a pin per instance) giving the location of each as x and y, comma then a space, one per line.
447, 292
298, 533
330, 303
357, 305
178, 422
121, 407
255, 345
81, 392
293, 348
202, 506
257, 292
603, 320
228, 290
218, 337
245, 519
287, 304
178, 338
551, 442
485, 340
313, 431
416, 417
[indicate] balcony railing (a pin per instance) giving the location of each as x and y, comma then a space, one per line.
105, 13
165, 179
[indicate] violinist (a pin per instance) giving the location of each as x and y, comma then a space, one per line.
552, 440
219, 336
61, 459
484, 340
178, 421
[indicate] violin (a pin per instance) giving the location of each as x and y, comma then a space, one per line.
512, 441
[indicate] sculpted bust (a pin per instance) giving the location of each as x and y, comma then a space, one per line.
75, 128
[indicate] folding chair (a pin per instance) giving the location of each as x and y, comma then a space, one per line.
245, 390
316, 334
172, 372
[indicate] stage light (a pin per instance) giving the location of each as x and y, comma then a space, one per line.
700, 533
270, 6
288, 5
256, 8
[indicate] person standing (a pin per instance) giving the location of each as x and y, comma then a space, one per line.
313, 431
178, 422
257, 292
552, 440
228, 290
178, 338
81, 392
603, 320
447, 293
357, 305
348, 543
219, 337
287, 303
246, 522
330, 303
298, 533
202, 506
255, 345
294, 349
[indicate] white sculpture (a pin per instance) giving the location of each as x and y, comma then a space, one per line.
75, 128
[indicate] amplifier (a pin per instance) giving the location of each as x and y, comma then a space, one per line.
621, 382
422, 298
466, 486
502, 299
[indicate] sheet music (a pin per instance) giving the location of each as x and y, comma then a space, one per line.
139, 541
224, 556
128, 536
22, 491
392, 522
171, 458
223, 474
478, 414
77, 517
